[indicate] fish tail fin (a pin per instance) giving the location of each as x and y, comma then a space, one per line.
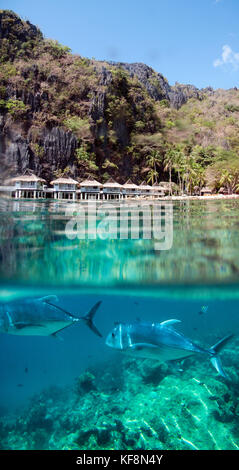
88, 319
215, 359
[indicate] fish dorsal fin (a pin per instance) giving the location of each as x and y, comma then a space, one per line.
49, 298
170, 322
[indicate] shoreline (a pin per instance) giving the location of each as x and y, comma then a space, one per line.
137, 198
202, 198
184, 198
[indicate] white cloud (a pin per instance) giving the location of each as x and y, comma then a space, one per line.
228, 57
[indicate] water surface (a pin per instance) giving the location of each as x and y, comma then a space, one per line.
68, 393
35, 249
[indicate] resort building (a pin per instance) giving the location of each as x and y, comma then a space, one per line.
111, 190
145, 189
130, 189
64, 188
27, 186
89, 189
158, 191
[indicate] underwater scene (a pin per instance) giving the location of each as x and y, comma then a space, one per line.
119, 325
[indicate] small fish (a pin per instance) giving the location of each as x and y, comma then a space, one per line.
40, 317
203, 309
26, 370
161, 342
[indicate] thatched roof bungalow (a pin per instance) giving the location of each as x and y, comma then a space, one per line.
27, 181
90, 189
111, 189
64, 188
27, 186
130, 189
64, 183
145, 189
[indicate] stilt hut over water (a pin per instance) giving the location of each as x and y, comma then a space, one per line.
129, 189
145, 189
112, 190
89, 189
28, 186
64, 188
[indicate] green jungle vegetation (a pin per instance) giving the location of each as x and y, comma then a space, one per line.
115, 127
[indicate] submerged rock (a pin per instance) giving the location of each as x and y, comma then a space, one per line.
85, 383
195, 410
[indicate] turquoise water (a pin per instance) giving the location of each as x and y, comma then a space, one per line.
76, 393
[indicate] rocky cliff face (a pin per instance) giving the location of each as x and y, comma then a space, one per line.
19, 153
157, 85
62, 113
16, 34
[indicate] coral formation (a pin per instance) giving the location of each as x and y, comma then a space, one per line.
141, 405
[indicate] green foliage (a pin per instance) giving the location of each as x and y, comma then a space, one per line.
18, 37
139, 125
7, 71
209, 124
232, 108
109, 165
56, 49
2, 104
82, 155
170, 124
164, 103
38, 150
3, 92
153, 161
60, 173
205, 155
82, 62
77, 124
85, 159
16, 108
119, 109
120, 84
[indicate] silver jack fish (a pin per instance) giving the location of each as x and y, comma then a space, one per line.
40, 317
161, 342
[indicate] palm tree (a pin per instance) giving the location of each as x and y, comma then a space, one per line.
153, 161
226, 180
168, 165
152, 176
200, 177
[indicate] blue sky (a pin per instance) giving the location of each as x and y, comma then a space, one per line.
189, 41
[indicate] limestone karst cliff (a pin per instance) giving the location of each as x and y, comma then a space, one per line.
65, 114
